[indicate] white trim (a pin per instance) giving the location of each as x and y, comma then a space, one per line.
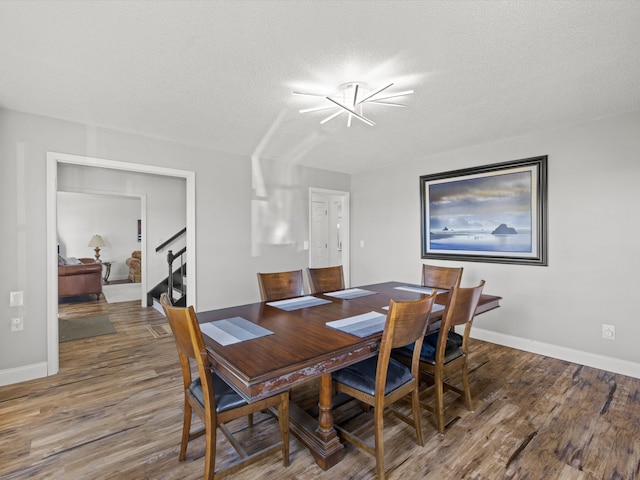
10, 376
610, 364
53, 158
346, 232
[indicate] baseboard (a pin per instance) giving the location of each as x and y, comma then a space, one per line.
22, 374
610, 364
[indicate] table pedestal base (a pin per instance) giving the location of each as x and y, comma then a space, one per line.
327, 451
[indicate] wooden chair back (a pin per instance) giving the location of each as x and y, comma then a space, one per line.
326, 279
280, 285
460, 310
444, 278
406, 324
190, 345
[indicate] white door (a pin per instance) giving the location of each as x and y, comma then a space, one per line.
329, 229
319, 254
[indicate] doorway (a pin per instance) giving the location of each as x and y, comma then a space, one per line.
53, 159
329, 242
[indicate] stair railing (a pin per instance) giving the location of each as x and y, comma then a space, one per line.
167, 242
171, 257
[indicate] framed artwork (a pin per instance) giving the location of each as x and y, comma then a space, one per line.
493, 213
140, 230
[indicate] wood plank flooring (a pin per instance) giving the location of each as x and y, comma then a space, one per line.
115, 411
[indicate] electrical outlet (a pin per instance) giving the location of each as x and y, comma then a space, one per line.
608, 332
17, 324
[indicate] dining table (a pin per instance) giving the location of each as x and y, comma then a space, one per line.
265, 348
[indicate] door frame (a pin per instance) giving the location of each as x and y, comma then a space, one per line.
346, 235
55, 158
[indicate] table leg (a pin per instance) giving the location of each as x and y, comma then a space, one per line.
107, 272
318, 435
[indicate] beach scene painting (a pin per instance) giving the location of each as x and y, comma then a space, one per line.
483, 214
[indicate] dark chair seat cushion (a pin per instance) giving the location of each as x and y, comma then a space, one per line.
226, 397
452, 351
362, 375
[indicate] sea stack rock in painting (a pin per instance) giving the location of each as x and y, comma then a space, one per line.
504, 230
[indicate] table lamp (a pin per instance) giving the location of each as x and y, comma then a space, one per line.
97, 242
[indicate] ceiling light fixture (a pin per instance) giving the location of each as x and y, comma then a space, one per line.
347, 99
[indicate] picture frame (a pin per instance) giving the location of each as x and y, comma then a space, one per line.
493, 213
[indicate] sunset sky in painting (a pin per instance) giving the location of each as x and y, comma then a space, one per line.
481, 203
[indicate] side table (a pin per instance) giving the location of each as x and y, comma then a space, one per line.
107, 269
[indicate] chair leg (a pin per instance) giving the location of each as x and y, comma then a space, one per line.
210, 452
467, 388
250, 420
439, 387
186, 427
415, 401
379, 419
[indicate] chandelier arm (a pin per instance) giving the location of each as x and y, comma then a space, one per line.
315, 109
374, 94
355, 114
331, 117
389, 104
309, 94
392, 95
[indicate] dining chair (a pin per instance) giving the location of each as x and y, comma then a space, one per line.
444, 278
215, 402
380, 381
445, 350
280, 285
326, 279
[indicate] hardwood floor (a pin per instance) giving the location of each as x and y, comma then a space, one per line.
115, 411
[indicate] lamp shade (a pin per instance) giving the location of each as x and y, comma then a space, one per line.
96, 241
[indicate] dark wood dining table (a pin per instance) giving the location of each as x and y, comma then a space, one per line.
301, 348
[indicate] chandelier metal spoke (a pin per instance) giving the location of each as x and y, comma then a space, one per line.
349, 101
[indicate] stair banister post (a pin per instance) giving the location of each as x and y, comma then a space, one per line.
170, 259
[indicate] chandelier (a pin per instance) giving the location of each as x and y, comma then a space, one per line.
351, 97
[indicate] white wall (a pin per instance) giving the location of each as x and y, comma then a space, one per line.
232, 243
594, 252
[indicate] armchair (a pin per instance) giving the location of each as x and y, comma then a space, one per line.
135, 266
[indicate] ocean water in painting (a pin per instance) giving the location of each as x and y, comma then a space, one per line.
481, 241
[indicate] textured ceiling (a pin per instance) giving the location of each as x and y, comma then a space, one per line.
219, 74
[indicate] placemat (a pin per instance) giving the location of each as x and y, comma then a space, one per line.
361, 325
423, 290
233, 330
298, 302
350, 293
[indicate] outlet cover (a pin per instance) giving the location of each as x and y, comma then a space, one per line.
17, 324
608, 332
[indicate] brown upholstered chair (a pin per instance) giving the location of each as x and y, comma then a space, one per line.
445, 350
326, 279
84, 278
444, 278
135, 266
280, 285
215, 402
381, 381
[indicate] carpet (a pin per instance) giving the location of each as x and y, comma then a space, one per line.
159, 331
83, 328
122, 292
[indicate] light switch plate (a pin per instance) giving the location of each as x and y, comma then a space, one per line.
16, 299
